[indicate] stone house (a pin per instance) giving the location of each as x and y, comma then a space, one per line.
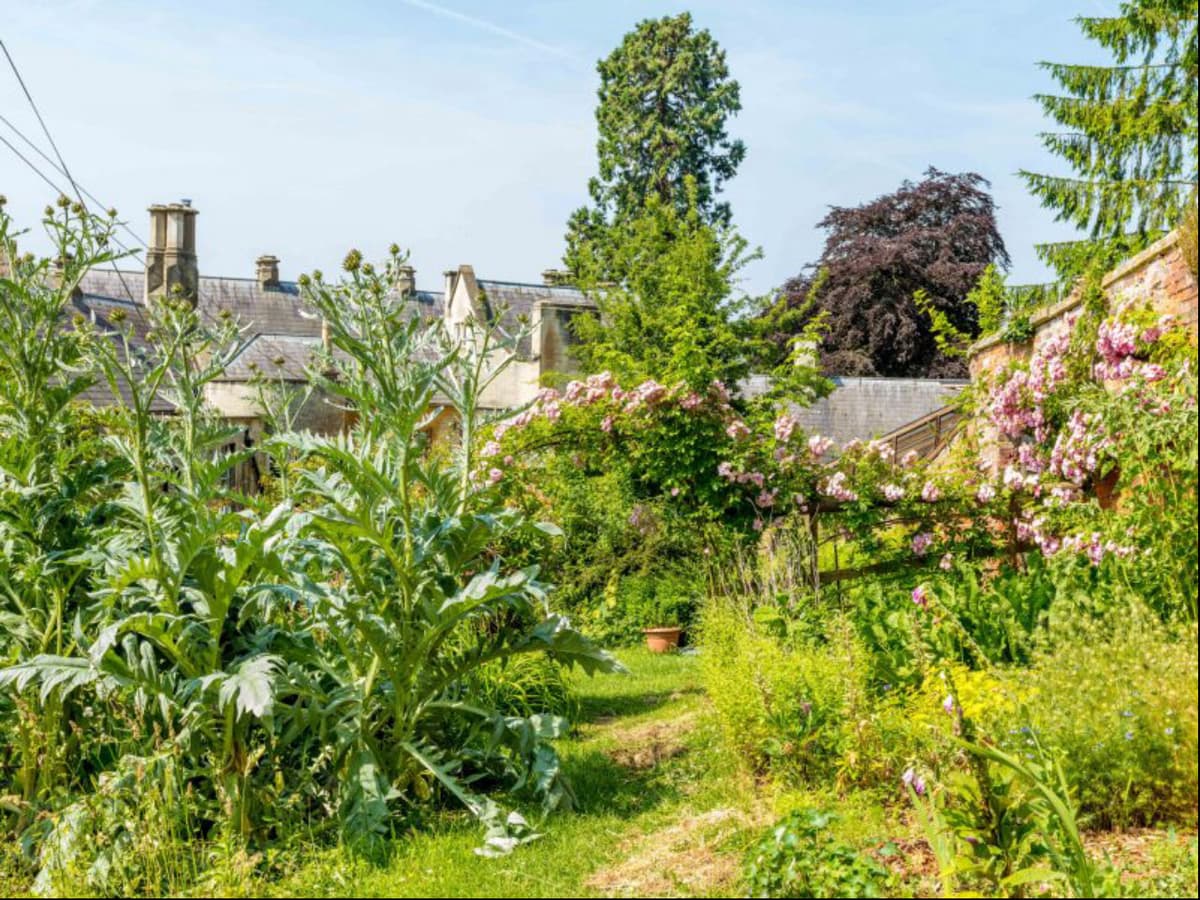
282, 335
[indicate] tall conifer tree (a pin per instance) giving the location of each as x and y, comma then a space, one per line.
1128, 134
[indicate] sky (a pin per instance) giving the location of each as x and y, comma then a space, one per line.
465, 131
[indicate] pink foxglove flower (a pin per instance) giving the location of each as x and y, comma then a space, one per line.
914, 781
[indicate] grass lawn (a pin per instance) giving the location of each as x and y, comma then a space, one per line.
644, 762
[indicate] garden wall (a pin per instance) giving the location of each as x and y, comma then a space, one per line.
1159, 274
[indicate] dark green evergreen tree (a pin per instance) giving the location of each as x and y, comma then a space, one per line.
665, 95
1128, 133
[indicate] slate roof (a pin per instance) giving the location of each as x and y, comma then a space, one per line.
517, 299
865, 408
281, 334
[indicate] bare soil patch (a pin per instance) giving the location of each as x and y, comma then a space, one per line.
645, 746
683, 859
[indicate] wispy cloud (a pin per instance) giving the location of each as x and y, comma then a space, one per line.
493, 28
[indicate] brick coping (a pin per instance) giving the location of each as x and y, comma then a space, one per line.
1049, 313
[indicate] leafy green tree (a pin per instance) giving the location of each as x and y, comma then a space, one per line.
665, 286
665, 95
1128, 134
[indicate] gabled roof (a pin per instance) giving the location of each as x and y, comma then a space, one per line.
517, 301
282, 336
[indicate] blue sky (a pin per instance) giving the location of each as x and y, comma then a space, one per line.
464, 130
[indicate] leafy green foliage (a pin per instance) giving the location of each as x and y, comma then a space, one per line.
800, 858
339, 656
988, 297
664, 282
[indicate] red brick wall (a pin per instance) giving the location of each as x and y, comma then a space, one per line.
1159, 274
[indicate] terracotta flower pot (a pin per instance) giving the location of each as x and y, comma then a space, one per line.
662, 640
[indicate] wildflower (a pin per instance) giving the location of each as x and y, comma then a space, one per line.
784, 426
607, 425
893, 492
491, 448
1153, 372
837, 488
883, 449
931, 493
508, 460
494, 476
949, 705
766, 498
920, 596
914, 781
947, 562
758, 524
986, 493
737, 429
674, 492
909, 458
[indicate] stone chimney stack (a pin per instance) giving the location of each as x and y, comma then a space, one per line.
171, 260
266, 270
557, 277
406, 280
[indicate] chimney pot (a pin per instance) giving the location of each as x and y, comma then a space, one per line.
406, 279
267, 272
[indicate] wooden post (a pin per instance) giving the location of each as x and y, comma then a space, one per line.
814, 534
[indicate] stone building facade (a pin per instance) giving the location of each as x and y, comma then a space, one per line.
282, 335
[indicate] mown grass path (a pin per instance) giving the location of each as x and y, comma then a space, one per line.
661, 810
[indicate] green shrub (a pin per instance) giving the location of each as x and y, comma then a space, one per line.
798, 707
1119, 702
802, 858
524, 686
